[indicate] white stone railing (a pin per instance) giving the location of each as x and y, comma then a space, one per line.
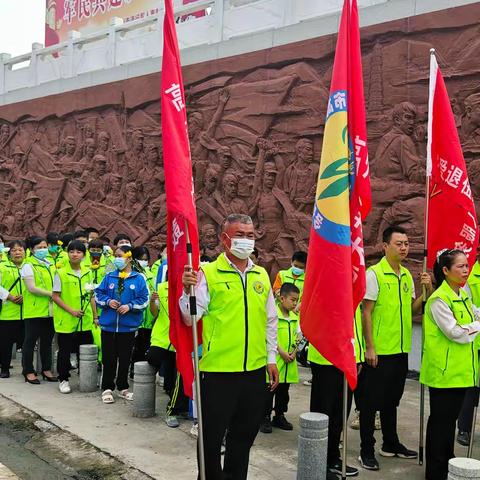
123, 44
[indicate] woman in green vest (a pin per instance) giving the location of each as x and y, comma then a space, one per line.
74, 310
450, 360
37, 310
11, 294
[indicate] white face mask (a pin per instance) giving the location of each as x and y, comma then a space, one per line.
242, 248
143, 263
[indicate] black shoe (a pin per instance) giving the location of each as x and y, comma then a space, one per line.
32, 382
266, 425
337, 469
463, 438
5, 374
49, 379
368, 462
400, 451
281, 422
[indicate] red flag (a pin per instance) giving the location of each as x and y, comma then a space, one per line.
335, 275
452, 221
181, 213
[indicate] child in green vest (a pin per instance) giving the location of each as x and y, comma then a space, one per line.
74, 309
288, 335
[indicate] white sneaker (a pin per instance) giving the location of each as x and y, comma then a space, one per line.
194, 430
308, 383
64, 387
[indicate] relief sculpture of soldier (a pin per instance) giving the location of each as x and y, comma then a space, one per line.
470, 123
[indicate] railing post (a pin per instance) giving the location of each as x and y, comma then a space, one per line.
72, 36
4, 57
112, 40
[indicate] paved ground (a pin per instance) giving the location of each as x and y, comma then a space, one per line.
6, 474
165, 453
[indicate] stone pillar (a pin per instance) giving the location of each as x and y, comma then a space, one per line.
88, 368
38, 360
143, 390
312, 446
463, 468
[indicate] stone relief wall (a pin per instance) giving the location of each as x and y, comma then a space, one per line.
94, 157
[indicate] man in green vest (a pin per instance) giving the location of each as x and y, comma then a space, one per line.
388, 307
465, 418
239, 342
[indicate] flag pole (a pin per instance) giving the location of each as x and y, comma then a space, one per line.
421, 442
474, 421
345, 419
198, 397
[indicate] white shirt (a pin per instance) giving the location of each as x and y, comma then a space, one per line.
203, 299
373, 288
447, 323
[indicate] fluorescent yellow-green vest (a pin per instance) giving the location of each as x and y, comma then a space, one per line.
147, 314
286, 276
10, 273
287, 341
38, 306
474, 284
76, 293
59, 261
235, 323
316, 357
392, 314
445, 363
161, 327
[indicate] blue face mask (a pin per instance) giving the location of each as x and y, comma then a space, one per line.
41, 253
120, 263
2, 246
297, 271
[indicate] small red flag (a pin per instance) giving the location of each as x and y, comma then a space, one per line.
452, 221
335, 275
181, 213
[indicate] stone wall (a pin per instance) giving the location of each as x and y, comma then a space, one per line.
93, 157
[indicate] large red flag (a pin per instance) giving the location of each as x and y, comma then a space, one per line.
181, 214
452, 221
335, 275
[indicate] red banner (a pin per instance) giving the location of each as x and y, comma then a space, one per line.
335, 274
181, 213
452, 221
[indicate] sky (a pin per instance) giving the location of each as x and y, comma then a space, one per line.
22, 22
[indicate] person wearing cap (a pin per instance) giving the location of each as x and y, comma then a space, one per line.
239, 338
63, 219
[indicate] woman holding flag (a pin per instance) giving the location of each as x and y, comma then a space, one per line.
450, 360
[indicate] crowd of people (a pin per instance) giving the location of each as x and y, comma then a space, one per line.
84, 289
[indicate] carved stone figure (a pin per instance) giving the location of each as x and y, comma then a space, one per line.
209, 240
470, 124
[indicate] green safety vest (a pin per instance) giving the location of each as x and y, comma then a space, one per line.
38, 306
148, 318
161, 327
76, 295
287, 341
392, 313
445, 363
10, 275
286, 276
316, 357
474, 284
59, 261
235, 322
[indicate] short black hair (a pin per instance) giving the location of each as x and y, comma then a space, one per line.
287, 288
34, 240
16, 243
121, 236
139, 252
96, 243
90, 230
77, 245
66, 239
389, 231
80, 233
53, 238
300, 257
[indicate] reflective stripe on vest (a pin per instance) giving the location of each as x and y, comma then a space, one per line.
392, 314
445, 363
235, 323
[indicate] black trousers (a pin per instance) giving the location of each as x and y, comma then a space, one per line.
381, 390
445, 405
281, 396
232, 403
37, 328
465, 419
10, 330
173, 384
142, 343
326, 396
116, 353
69, 343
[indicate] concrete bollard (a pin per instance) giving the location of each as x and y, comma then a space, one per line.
38, 359
88, 368
463, 468
143, 390
312, 446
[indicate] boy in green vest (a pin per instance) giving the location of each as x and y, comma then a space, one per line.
388, 307
295, 274
288, 334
